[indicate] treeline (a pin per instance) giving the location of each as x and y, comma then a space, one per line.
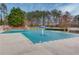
18, 17
47, 18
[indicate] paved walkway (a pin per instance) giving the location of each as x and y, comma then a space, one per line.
18, 44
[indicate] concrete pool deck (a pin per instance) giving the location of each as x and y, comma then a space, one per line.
62, 47
18, 44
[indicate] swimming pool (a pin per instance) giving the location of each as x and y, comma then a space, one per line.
37, 37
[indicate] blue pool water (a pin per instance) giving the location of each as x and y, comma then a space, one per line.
36, 36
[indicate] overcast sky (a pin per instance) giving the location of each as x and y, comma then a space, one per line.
73, 8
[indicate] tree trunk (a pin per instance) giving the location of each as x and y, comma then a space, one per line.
1, 17
43, 21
